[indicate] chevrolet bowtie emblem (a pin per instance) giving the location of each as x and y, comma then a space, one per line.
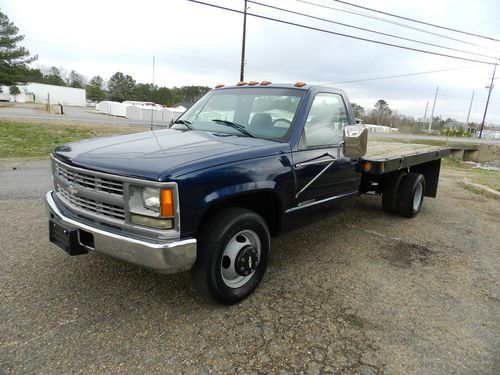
72, 190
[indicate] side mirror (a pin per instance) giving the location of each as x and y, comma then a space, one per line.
355, 141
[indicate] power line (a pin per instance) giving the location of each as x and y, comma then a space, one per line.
340, 34
393, 23
398, 75
417, 21
365, 29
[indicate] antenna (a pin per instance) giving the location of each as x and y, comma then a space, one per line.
152, 88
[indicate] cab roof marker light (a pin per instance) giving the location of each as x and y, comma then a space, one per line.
253, 83
241, 83
265, 83
219, 85
299, 84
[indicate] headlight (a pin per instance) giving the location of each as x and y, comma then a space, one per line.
151, 207
151, 199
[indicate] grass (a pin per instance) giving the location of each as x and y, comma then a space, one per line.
22, 139
479, 176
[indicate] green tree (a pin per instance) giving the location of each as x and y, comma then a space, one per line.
76, 80
190, 94
144, 92
175, 96
95, 89
121, 87
161, 95
14, 59
54, 77
34, 75
14, 90
358, 110
383, 111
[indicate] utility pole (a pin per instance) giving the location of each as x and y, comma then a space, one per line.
433, 106
242, 71
470, 107
425, 113
488, 100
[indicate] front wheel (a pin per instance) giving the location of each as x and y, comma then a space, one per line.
233, 249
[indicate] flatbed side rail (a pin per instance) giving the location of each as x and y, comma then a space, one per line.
379, 162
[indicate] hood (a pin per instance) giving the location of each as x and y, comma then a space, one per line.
164, 154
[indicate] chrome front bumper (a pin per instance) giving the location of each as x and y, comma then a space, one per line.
167, 257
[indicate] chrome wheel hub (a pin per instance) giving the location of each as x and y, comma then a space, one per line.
417, 198
240, 258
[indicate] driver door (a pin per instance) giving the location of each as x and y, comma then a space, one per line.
325, 179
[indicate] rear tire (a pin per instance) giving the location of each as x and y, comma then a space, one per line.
232, 256
411, 195
390, 193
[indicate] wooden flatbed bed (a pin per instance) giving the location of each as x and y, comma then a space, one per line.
391, 156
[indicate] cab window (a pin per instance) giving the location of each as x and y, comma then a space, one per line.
325, 122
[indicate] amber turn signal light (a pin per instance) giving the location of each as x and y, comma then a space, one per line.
367, 166
166, 203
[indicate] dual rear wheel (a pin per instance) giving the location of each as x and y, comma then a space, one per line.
403, 193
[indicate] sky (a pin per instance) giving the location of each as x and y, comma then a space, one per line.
195, 44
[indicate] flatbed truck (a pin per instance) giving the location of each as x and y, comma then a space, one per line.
245, 163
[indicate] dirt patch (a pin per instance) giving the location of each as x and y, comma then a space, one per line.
405, 254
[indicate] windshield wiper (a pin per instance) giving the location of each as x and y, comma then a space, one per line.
236, 126
186, 123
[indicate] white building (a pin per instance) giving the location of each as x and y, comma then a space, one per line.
380, 129
142, 111
40, 93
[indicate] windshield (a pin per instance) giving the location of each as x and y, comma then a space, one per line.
257, 112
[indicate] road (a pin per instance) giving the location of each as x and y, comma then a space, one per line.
71, 114
363, 292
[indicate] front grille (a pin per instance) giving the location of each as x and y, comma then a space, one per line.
88, 181
90, 193
99, 208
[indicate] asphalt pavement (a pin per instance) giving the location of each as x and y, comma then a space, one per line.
362, 292
34, 112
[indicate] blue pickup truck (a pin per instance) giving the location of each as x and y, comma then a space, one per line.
243, 164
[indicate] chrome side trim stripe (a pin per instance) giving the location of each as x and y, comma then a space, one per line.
354, 192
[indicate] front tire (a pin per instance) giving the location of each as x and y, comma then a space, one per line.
411, 195
232, 257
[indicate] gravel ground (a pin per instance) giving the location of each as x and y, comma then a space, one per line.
362, 292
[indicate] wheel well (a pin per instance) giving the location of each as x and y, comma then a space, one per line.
265, 203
